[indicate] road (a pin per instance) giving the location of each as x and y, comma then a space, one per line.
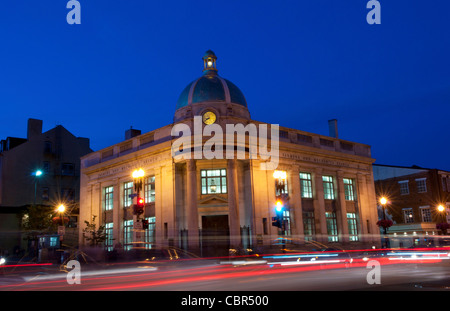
268, 273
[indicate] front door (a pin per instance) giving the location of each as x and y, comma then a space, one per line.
215, 236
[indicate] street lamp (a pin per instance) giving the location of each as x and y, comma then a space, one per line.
383, 202
138, 176
61, 209
36, 174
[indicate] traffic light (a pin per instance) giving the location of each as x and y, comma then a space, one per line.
139, 207
145, 224
277, 221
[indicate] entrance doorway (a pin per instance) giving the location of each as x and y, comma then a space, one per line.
215, 236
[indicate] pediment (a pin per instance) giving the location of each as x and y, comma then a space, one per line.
213, 199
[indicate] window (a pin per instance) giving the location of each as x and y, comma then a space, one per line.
308, 226
421, 185
426, 213
109, 236
404, 187
287, 223
68, 169
352, 227
47, 146
45, 194
306, 185
149, 189
68, 195
349, 189
150, 233
408, 215
128, 234
214, 181
328, 189
127, 191
46, 167
108, 195
280, 176
332, 227
53, 241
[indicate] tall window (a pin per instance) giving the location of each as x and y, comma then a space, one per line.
308, 225
426, 213
150, 233
328, 189
109, 236
349, 189
149, 189
352, 227
404, 187
408, 215
68, 169
127, 190
108, 193
127, 234
214, 181
306, 185
332, 227
421, 185
287, 223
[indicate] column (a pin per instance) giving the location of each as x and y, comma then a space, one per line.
233, 216
319, 207
342, 211
117, 214
192, 211
371, 208
295, 204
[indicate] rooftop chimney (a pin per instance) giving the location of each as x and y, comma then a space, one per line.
132, 133
332, 127
34, 128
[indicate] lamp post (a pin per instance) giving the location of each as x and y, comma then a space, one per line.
36, 174
280, 204
383, 202
61, 210
443, 225
138, 219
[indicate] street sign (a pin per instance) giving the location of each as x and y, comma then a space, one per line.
132, 195
61, 230
138, 225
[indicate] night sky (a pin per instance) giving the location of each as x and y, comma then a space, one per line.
299, 64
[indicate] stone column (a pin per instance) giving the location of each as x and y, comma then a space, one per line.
117, 214
319, 207
342, 210
233, 216
191, 208
295, 204
371, 208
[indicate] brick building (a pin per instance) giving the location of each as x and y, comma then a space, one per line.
414, 195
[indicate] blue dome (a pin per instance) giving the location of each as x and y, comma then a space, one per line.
210, 87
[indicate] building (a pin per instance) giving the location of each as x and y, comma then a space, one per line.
41, 170
209, 196
414, 195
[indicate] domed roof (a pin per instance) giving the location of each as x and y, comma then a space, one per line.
210, 87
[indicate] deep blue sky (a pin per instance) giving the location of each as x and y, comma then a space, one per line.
299, 64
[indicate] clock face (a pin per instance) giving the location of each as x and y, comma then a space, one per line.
209, 117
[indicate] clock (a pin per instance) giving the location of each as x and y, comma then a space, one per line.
209, 117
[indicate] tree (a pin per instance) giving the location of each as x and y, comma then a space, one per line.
93, 235
37, 220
